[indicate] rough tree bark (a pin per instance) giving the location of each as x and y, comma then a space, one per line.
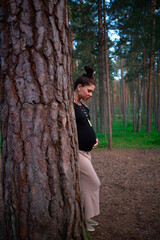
39, 143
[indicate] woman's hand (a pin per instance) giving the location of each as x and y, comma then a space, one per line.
95, 145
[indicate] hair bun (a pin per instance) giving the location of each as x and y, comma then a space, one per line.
89, 70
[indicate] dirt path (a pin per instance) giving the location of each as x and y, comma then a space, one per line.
129, 195
2, 226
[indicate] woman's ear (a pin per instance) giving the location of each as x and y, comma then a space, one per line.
79, 86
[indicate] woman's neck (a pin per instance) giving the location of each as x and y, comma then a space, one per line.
76, 98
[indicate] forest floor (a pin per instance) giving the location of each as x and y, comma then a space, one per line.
129, 195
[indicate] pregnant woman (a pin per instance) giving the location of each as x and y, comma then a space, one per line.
83, 89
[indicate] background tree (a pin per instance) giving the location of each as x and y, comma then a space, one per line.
102, 71
158, 91
39, 144
107, 76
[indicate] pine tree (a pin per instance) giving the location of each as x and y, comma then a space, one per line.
40, 171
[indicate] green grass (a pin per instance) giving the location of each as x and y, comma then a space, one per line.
124, 137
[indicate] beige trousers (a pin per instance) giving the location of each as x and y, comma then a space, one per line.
90, 185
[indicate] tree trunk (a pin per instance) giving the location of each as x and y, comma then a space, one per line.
155, 94
140, 110
40, 171
145, 102
149, 101
95, 112
107, 80
158, 92
149, 92
134, 105
134, 91
102, 85
120, 99
123, 93
126, 99
114, 106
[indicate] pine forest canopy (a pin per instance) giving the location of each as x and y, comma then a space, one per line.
133, 57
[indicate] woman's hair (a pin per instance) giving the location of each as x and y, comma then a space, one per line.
85, 79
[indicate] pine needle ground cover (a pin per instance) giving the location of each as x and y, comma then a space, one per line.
124, 137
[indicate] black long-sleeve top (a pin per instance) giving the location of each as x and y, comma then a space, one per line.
86, 134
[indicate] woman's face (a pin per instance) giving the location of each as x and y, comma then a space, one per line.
85, 92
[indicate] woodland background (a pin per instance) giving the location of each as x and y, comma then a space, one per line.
39, 168
121, 40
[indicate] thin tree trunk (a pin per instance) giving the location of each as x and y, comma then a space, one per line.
114, 99
140, 110
134, 92
155, 95
126, 99
134, 105
95, 112
149, 101
123, 93
145, 102
144, 84
39, 143
120, 99
102, 86
107, 80
129, 100
158, 91
149, 92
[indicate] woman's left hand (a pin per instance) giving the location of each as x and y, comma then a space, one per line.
95, 145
